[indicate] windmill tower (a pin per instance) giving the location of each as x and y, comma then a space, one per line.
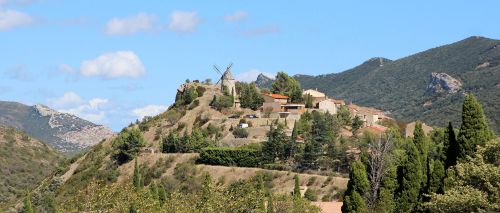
227, 80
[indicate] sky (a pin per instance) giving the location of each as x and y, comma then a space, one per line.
112, 62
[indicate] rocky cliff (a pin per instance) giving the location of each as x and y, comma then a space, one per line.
443, 83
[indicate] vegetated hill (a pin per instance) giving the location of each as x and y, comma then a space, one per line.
176, 171
427, 86
64, 132
24, 162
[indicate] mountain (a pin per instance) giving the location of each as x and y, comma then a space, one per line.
64, 132
428, 86
264, 81
24, 162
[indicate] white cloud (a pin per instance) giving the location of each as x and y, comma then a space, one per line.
114, 65
236, 16
16, 2
141, 22
66, 68
19, 73
261, 30
72, 103
10, 19
69, 99
251, 75
149, 110
185, 22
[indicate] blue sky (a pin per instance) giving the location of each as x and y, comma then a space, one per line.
114, 61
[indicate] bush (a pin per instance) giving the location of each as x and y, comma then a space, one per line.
311, 181
195, 104
240, 133
200, 90
277, 166
311, 195
230, 157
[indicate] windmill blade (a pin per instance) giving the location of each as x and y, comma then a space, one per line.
229, 66
217, 70
220, 79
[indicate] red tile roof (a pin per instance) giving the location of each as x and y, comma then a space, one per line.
277, 96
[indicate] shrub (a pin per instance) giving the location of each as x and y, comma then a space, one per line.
311, 195
311, 181
200, 90
240, 133
195, 104
277, 166
230, 157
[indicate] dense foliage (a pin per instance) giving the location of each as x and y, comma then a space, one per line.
128, 144
250, 96
286, 85
188, 143
426, 172
243, 157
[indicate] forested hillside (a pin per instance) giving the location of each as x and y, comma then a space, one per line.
24, 162
401, 86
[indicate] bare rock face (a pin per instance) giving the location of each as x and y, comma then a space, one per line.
443, 83
264, 81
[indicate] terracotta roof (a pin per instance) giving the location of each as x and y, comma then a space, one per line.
277, 96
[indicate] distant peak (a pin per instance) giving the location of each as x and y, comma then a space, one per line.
45, 110
264, 76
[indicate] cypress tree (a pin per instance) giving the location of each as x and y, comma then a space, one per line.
27, 207
409, 180
137, 176
436, 178
357, 187
421, 142
452, 147
296, 188
474, 130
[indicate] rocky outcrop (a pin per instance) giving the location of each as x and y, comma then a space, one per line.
264, 81
443, 83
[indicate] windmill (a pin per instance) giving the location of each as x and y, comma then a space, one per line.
226, 79
223, 75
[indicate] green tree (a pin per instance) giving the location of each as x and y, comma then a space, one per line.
422, 143
129, 144
250, 97
289, 86
452, 147
410, 180
270, 204
356, 124
137, 176
435, 176
309, 101
274, 147
296, 188
27, 207
357, 187
344, 116
474, 130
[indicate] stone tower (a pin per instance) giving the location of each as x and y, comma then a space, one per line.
228, 82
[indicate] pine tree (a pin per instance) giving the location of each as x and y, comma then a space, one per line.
474, 130
452, 147
357, 187
309, 101
409, 180
137, 176
296, 188
274, 147
27, 207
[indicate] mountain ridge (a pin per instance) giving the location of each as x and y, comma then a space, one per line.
399, 86
65, 132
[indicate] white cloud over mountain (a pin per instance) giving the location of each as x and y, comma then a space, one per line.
72, 103
114, 65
